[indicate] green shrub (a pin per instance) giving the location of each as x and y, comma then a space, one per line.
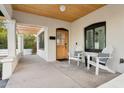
3, 35
29, 41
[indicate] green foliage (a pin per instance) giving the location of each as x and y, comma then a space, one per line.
29, 41
3, 35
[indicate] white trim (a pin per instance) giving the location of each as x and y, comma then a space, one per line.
43, 53
5, 11
42, 29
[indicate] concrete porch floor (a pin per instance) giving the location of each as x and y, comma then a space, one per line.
34, 72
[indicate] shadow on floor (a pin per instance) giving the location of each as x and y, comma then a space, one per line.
3, 83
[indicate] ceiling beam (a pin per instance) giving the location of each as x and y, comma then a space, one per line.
27, 29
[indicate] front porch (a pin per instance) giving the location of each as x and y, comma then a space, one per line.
89, 34
32, 71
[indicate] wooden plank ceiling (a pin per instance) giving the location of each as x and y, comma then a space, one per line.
27, 29
72, 12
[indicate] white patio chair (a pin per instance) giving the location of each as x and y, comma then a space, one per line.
77, 56
100, 61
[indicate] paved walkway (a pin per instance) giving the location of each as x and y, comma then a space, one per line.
32, 71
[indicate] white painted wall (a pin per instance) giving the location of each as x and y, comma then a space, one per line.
52, 24
114, 17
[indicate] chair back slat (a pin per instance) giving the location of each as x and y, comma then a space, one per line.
108, 50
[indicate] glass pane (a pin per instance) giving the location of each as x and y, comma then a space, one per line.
100, 37
89, 39
60, 38
41, 41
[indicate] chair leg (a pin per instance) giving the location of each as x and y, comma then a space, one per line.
69, 62
97, 67
88, 65
97, 71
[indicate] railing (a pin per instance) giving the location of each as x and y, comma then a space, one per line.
8, 65
3, 52
27, 52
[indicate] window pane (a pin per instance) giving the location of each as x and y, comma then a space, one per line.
60, 38
95, 37
100, 37
89, 39
41, 40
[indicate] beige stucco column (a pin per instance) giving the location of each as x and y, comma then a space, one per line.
20, 43
37, 42
11, 28
9, 63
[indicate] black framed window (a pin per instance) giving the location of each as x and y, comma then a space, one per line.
41, 41
95, 37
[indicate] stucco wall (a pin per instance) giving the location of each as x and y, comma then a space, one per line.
114, 17
52, 24
43, 53
112, 14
